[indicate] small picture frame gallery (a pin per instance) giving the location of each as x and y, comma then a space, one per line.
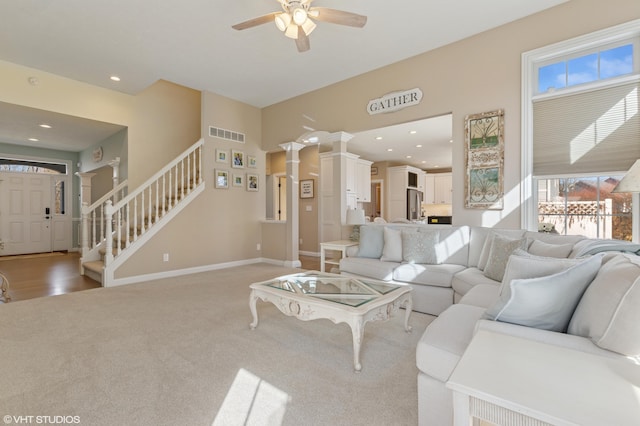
224, 179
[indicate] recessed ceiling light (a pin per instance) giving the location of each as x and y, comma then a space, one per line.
408, 156
45, 126
115, 78
378, 138
34, 139
412, 132
450, 140
389, 149
423, 162
418, 146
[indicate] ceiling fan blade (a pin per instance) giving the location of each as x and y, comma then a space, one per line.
302, 42
339, 17
256, 21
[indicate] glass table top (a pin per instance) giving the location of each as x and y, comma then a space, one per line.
344, 290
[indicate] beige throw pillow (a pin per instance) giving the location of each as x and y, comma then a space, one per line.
501, 249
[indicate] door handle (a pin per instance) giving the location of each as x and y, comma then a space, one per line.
47, 212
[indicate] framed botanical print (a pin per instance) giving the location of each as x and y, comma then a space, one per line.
238, 180
251, 161
484, 160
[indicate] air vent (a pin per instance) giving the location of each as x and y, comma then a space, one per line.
226, 134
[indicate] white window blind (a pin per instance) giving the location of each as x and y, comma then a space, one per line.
587, 132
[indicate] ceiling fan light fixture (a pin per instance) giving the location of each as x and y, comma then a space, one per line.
282, 21
308, 26
299, 15
292, 31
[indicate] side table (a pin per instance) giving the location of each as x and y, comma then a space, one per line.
339, 245
511, 380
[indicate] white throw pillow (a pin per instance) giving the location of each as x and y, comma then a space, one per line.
419, 247
546, 302
392, 251
371, 241
609, 312
540, 248
484, 253
501, 249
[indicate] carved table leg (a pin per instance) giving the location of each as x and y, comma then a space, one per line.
357, 330
253, 299
408, 306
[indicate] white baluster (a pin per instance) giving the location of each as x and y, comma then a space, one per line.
108, 217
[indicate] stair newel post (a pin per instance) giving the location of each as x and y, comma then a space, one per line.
84, 240
108, 220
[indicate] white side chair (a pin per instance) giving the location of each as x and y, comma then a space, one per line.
379, 220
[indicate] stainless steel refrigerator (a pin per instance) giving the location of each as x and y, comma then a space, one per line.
414, 204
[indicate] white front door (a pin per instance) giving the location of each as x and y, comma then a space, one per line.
33, 217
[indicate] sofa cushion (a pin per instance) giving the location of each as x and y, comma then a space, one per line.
372, 268
480, 239
609, 312
546, 302
482, 295
445, 340
466, 279
453, 245
540, 248
501, 249
371, 242
419, 247
523, 264
392, 250
418, 273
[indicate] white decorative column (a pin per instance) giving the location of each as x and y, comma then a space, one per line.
115, 164
339, 140
293, 216
85, 187
85, 202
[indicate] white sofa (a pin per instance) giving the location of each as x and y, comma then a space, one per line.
602, 319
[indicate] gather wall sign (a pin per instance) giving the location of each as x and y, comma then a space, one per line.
394, 101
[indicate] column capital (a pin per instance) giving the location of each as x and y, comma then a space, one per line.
292, 146
340, 137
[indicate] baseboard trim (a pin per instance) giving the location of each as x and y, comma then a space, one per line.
197, 269
310, 253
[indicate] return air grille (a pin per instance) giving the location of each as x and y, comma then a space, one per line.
226, 134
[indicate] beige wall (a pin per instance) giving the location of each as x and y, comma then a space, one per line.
478, 74
308, 207
166, 121
220, 225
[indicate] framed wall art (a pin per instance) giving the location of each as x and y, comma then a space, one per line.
251, 161
222, 156
484, 160
252, 182
306, 188
237, 159
222, 178
238, 180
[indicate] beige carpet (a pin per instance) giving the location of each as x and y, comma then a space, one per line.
167, 353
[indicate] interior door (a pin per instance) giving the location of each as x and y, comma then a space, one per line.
25, 213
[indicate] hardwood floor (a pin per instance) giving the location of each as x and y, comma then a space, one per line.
44, 275
57, 273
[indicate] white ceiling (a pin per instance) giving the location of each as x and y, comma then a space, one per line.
191, 43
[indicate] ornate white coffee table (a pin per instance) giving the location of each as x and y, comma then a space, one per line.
314, 295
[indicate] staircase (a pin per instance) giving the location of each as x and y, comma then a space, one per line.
115, 226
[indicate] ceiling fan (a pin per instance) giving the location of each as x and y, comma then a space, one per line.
297, 20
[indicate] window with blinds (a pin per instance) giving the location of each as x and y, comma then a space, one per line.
587, 132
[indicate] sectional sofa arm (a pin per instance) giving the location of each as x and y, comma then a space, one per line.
551, 337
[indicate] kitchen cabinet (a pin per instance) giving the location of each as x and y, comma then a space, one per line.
400, 179
438, 188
